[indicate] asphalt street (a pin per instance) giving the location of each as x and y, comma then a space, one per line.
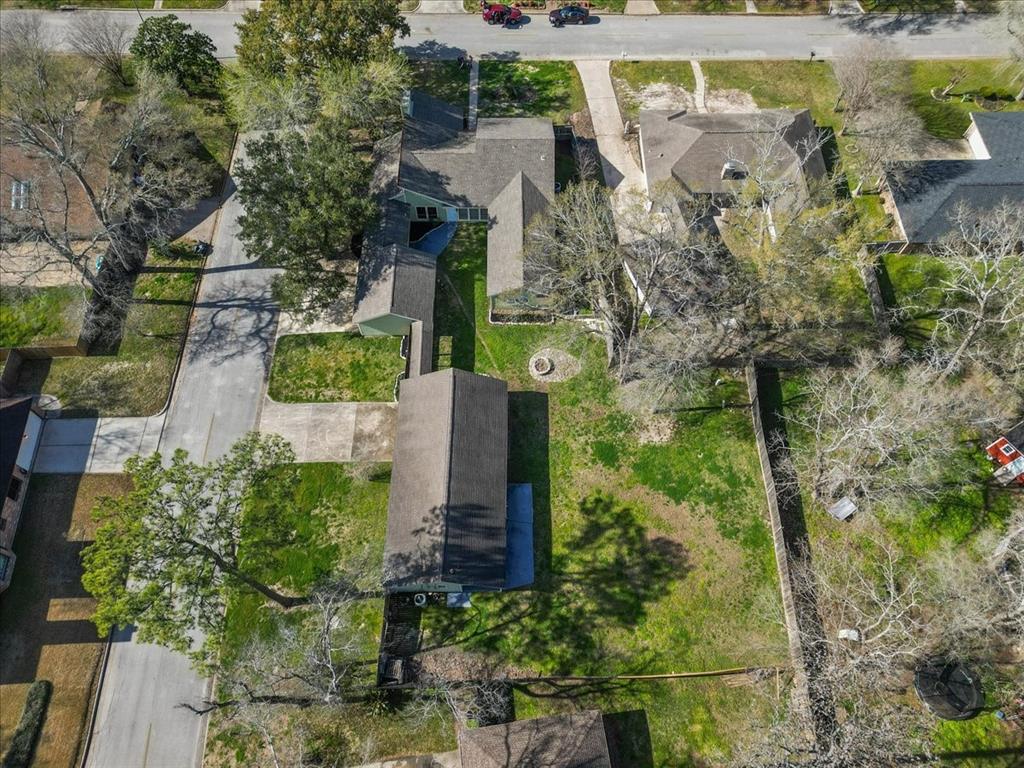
653, 37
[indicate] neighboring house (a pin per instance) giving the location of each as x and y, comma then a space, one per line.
576, 740
1007, 455
501, 172
923, 196
712, 155
450, 525
30, 188
20, 429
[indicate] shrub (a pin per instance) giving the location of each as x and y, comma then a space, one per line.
23, 745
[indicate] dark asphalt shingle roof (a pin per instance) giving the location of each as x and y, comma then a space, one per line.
13, 417
692, 147
447, 508
395, 280
927, 193
510, 213
576, 740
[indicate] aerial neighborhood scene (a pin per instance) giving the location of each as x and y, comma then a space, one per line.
540, 384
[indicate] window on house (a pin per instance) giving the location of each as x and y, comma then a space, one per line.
463, 214
14, 489
1007, 449
475, 214
431, 212
19, 195
421, 212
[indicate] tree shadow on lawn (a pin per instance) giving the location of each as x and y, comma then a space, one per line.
601, 580
528, 462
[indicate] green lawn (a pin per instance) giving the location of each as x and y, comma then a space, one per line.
134, 381
908, 6
629, 77
793, 84
143, 4
792, 6
443, 80
530, 89
701, 6
337, 513
987, 86
172, 4
33, 316
333, 367
651, 556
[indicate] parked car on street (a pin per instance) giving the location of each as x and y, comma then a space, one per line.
498, 13
570, 14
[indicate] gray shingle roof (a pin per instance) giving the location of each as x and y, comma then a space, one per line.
510, 213
565, 741
395, 280
692, 148
13, 418
927, 193
468, 168
447, 508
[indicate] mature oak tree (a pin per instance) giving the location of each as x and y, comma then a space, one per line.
167, 553
301, 37
167, 45
306, 198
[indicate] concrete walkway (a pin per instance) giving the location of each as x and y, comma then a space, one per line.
333, 431
79, 446
751, 6
474, 93
641, 8
621, 172
440, 6
700, 90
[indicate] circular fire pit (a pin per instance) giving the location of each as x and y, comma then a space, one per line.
550, 364
543, 365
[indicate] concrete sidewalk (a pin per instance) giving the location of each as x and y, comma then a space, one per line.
333, 431
79, 446
622, 174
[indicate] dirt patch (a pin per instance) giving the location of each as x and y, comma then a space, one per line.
551, 364
655, 428
582, 124
730, 100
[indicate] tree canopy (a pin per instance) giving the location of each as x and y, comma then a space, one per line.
302, 36
305, 198
172, 47
166, 553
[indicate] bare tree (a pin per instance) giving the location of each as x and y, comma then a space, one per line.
102, 39
867, 72
982, 318
881, 433
105, 180
889, 130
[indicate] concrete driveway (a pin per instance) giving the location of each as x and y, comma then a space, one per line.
333, 431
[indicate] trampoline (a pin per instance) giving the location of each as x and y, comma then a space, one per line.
949, 689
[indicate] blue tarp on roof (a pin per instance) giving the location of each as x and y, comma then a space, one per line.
437, 239
519, 530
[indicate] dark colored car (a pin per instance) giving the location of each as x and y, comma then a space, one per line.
570, 14
497, 13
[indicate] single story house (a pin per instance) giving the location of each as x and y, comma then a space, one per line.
450, 527
923, 195
500, 171
712, 154
20, 429
576, 740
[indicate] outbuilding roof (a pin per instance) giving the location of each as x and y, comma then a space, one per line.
927, 193
576, 740
395, 280
447, 510
692, 148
